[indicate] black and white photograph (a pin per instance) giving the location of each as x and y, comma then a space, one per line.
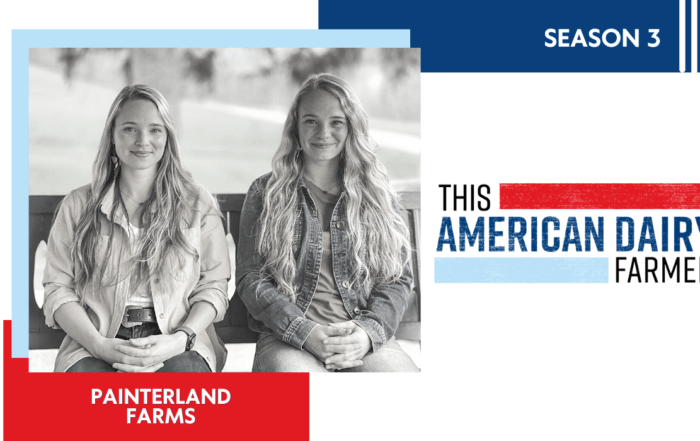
224, 210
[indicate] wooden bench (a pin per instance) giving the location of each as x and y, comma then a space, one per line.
234, 327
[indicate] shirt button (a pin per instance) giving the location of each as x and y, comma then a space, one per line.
340, 225
341, 255
161, 315
157, 281
345, 283
356, 310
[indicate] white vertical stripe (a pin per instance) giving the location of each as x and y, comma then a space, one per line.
681, 36
694, 36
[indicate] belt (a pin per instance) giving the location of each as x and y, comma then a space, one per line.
135, 315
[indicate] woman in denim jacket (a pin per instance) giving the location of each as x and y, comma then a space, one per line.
323, 257
137, 262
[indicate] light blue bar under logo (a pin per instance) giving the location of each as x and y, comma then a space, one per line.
521, 270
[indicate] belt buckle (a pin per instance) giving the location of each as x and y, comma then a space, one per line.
125, 317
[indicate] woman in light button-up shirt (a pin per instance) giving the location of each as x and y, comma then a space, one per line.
142, 231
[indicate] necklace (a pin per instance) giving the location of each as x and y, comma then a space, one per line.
130, 197
322, 190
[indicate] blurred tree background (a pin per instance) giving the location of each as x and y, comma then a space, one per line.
229, 106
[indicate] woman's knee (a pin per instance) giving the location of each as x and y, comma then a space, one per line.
389, 358
288, 362
91, 364
189, 361
273, 355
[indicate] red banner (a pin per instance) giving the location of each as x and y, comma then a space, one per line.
64, 406
600, 196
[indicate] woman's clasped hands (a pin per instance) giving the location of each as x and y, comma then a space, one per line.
140, 354
339, 345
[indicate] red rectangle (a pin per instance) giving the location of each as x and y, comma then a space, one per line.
58, 406
599, 196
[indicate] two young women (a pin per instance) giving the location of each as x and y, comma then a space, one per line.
137, 261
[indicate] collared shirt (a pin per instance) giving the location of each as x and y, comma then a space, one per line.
174, 290
379, 313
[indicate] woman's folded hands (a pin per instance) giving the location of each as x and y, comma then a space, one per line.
339, 345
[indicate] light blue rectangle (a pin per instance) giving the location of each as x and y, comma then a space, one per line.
210, 38
521, 270
23, 40
20, 200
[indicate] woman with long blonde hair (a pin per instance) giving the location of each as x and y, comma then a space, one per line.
323, 255
137, 263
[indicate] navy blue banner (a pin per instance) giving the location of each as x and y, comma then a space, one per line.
516, 35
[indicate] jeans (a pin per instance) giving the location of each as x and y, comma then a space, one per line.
189, 361
274, 355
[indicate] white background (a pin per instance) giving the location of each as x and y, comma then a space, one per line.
559, 361
539, 361
501, 362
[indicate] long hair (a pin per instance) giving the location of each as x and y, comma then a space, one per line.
379, 238
172, 194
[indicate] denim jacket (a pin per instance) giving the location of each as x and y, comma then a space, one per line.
269, 311
174, 291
